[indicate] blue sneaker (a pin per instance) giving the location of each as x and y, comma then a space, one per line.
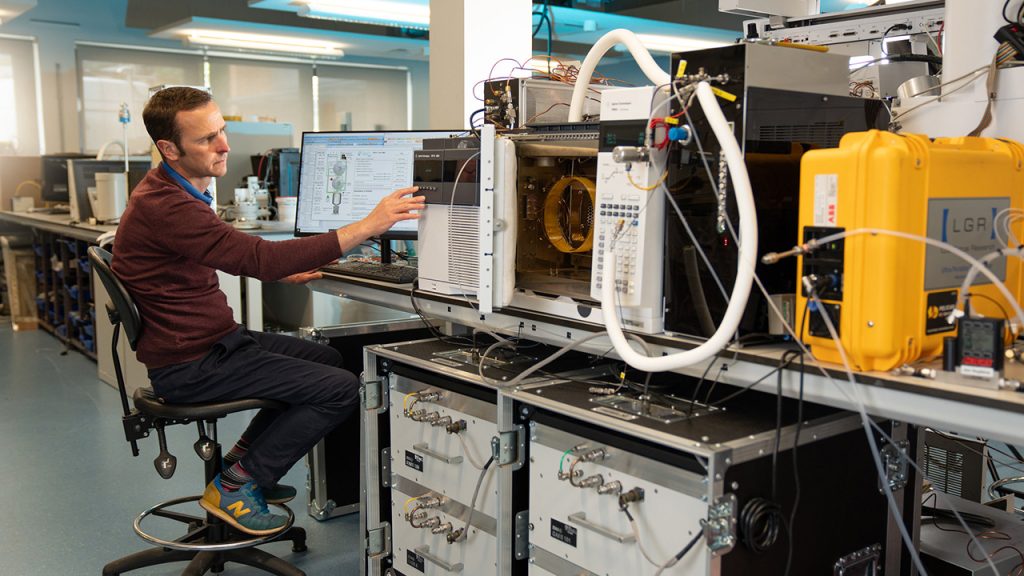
278, 494
244, 509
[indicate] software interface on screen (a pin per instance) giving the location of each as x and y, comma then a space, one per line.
343, 175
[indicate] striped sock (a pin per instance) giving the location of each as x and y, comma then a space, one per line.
234, 477
237, 451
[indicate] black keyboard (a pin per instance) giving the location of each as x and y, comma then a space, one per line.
374, 271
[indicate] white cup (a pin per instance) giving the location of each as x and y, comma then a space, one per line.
286, 208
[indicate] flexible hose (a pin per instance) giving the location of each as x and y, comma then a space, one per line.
643, 58
976, 268
744, 268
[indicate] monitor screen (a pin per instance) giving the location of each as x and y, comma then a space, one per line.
84, 171
343, 175
55, 176
288, 172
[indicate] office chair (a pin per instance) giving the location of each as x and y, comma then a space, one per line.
208, 543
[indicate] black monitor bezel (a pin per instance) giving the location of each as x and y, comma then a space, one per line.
390, 234
46, 191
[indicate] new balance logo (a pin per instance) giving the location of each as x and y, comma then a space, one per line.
238, 510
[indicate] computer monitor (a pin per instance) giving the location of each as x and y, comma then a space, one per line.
343, 175
288, 172
55, 176
82, 176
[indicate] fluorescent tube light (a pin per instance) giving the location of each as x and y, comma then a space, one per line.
382, 12
263, 42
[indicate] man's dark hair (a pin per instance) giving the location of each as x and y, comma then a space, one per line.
162, 108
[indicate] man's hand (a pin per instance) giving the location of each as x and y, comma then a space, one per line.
302, 277
395, 207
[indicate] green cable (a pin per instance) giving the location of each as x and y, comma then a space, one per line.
562, 461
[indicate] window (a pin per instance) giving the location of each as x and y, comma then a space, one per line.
19, 121
352, 98
264, 91
112, 76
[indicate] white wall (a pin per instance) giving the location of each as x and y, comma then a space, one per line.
58, 24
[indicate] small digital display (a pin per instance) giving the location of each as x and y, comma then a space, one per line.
977, 339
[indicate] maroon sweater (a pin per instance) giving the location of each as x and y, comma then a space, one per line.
168, 247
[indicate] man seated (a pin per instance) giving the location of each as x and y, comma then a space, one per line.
168, 247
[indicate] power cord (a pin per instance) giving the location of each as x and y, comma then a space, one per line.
759, 524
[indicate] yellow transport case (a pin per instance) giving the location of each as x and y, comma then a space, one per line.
889, 297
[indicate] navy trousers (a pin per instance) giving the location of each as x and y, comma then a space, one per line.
247, 364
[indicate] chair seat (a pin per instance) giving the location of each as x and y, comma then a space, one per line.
147, 401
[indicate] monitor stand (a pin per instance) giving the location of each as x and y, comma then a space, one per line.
385, 251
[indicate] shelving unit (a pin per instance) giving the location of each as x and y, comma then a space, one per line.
64, 297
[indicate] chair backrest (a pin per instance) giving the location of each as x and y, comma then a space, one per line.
121, 307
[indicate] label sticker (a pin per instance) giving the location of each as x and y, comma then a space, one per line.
940, 306
415, 560
414, 461
826, 199
563, 532
968, 224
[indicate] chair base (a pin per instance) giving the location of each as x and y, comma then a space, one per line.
201, 562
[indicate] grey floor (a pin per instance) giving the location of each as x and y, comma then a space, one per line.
73, 487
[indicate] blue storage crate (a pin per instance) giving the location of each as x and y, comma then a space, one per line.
84, 265
88, 343
62, 331
89, 330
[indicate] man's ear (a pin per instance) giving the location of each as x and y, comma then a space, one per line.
168, 149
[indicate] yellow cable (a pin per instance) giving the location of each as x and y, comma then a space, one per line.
32, 182
405, 400
405, 507
664, 175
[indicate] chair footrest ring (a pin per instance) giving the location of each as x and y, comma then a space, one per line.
203, 546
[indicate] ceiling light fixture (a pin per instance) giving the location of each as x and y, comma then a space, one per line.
414, 14
263, 42
659, 43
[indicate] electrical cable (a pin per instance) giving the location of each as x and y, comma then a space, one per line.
759, 522
1006, 5
748, 387
434, 331
558, 354
469, 454
885, 52
696, 389
472, 504
796, 468
682, 553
